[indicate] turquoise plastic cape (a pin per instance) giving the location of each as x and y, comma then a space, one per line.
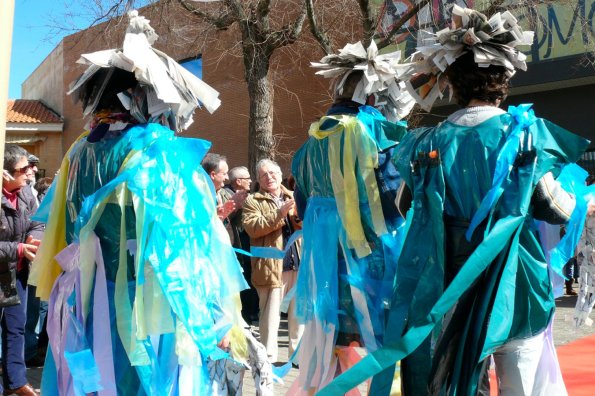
502, 289
150, 281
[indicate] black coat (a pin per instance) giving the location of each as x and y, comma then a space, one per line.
15, 226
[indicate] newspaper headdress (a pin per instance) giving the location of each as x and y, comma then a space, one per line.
493, 41
166, 90
383, 77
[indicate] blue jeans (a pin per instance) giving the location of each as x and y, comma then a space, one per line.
36, 312
13, 338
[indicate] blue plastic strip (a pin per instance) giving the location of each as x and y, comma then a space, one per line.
524, 117
274, 253
572, 179
281, 371
84, 372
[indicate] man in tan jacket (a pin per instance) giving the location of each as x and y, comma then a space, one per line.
269, 219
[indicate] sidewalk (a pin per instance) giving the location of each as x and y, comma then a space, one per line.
563, 334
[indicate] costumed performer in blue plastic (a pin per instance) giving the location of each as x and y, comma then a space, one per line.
142, 280
345, 190
472, 279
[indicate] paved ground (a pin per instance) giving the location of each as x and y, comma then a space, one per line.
563, 334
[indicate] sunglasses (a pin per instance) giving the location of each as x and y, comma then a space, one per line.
24, 169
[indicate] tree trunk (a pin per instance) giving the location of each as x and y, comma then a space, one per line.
260, 125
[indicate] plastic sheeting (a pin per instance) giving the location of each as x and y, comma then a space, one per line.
143, 232
350, 245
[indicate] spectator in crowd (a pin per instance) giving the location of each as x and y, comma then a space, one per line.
41, 186
19, 239
239, 186
216, 167
269, 219
33, 162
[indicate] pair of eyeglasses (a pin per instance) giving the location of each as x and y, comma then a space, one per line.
270, 174
244, 178
24, 169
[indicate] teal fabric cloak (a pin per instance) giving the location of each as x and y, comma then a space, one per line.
501, 283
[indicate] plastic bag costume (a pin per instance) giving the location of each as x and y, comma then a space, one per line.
502, 291
144, 281
348, 267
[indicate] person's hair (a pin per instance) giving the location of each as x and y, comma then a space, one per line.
33, 159
236, 173
211, 162
267, 162
12, 155
348, 87
119, 80
469, 81
42, 185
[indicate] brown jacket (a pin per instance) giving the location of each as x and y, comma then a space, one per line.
262, 220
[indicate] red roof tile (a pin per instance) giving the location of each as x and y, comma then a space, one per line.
31, 111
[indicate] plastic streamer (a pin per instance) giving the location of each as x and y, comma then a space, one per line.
317, 288
524, 117
364, 151
273, 252
572, 179
45, 269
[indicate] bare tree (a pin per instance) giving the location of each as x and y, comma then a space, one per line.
260, 38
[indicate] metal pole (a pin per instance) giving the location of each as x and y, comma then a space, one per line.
6, 21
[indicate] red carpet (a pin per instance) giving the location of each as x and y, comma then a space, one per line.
577, 362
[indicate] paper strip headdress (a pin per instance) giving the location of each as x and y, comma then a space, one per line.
383, 76
169, 89
493, 41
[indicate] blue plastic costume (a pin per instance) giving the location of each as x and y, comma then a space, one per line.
350, 239
477, 181
149, 281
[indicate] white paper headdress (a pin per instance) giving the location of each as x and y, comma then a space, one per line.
383, 76
493, 41
169, 89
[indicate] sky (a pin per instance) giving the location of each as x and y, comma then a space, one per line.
33, 38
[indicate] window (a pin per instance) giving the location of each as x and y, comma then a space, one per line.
193, 65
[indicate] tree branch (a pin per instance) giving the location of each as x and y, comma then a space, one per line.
236, 7
289, 33
221, 22
388, 40
368, 21
263, 9
320, 36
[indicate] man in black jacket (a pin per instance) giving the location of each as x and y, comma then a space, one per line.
19, 239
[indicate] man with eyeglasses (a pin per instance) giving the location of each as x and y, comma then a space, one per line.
269, 218
239, 186
19, 239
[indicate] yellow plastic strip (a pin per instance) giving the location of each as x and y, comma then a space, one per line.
367, 159
45, 269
